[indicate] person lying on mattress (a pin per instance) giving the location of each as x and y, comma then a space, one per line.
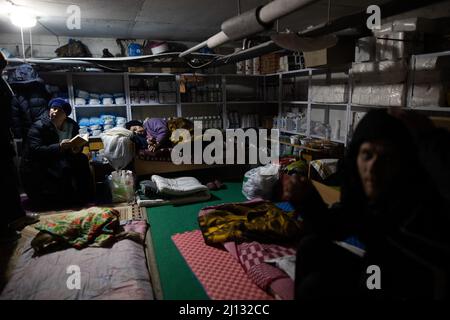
95, 226
139, 134
158, 133
179, 123
394, 202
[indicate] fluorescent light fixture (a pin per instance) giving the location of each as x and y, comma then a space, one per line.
22, 17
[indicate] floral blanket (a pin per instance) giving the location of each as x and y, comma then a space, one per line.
90, 227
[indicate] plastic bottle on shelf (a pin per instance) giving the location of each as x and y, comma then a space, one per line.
256, 65
216, 122
283, 123
219, 122
244, 121
194, 94
249, 67
240, 65
218, 93
275, 123
337, 130
327, 131
256, 117
297, 124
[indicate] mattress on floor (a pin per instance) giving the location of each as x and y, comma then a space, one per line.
144, 201
119, 272
163, 154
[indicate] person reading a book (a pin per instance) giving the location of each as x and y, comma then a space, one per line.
55, 173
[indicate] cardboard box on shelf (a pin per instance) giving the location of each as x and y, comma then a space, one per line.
425, 63
380, 71
167, 97
167, 86
401, 38
430, 82
416, 24
174, 70
432, 94
342, 53
335, 93
379, 94
143, 70
270, 63
441, 122
365, 49
398, 45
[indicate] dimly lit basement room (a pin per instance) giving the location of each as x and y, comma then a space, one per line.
225, 150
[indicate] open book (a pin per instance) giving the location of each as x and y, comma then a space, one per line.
79, 140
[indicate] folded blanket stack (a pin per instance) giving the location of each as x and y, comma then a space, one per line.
159, 191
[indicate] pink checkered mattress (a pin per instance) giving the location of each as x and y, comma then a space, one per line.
237, 273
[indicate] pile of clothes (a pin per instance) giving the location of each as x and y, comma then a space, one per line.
93, 227
261, 237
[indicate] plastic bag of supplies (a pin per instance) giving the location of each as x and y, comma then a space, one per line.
118, 147
121, 184
260, 182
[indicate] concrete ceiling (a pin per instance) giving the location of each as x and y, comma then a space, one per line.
182, 20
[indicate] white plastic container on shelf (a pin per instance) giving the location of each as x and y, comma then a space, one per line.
256, 66
337, 130
249, 67
283, 123
108, 101
119, 100
290, 124
327, 131
298, 124
274, 122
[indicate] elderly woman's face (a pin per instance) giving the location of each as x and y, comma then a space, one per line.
57, 114
378, 166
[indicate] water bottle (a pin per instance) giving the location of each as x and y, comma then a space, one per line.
327, 132
337, 130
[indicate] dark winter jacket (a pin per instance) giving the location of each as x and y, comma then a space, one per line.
5, 121
50, 175
28, 106
406, 234
43, 141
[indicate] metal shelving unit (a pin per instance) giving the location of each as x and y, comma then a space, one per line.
72, 81
306, 100
276, 82
349, 107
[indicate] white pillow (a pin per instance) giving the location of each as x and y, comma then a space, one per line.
178, 186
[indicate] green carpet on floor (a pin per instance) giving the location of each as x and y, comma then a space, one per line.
177, 280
